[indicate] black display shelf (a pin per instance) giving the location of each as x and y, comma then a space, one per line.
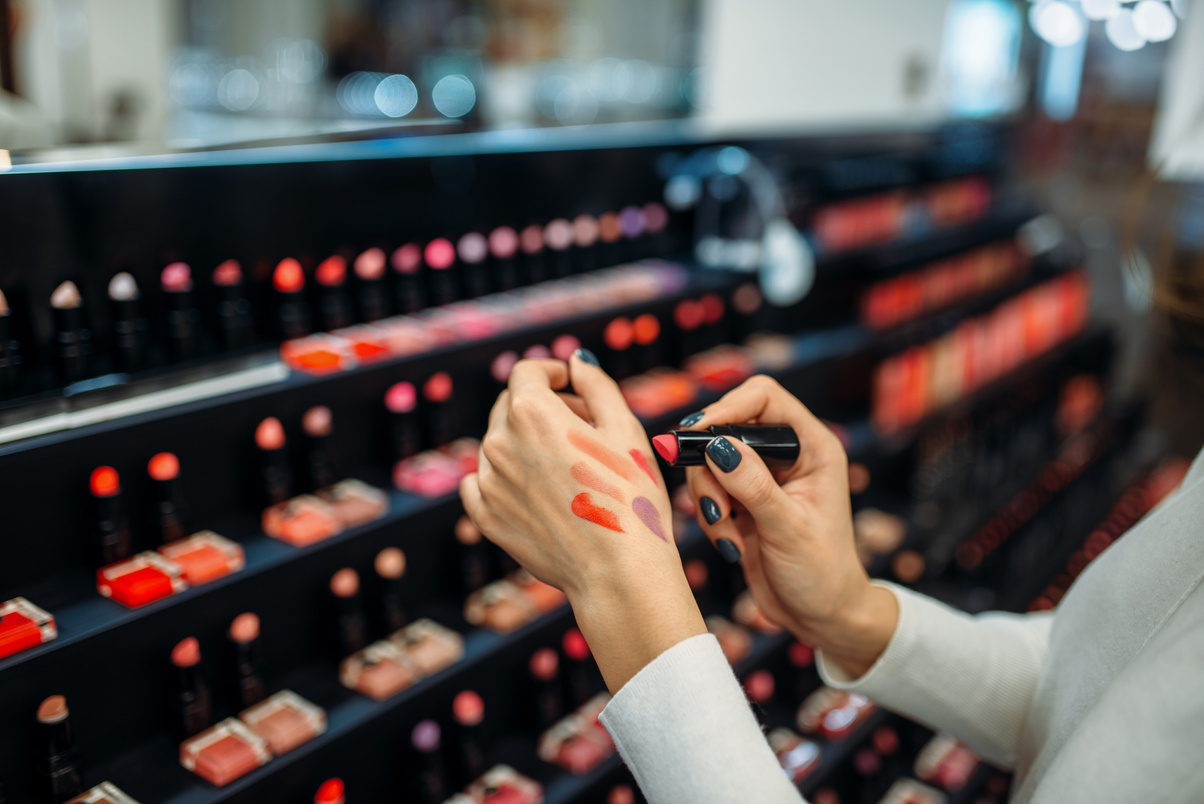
834, 753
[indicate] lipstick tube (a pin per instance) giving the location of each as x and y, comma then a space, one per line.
317, 426
71, 338
235, 326
247, 682
292, 313
9, 357
430, 780
127, 335
440, 257
390, 565
408, 292
547, 702
371, 296
111, 531
275, 472
350, 630
334, 310
777, 444
405, 434
468, 710
191, 705
167, 509
58, 765
181, 315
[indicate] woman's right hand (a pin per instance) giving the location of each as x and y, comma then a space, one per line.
793, 530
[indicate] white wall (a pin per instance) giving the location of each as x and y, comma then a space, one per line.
803, 63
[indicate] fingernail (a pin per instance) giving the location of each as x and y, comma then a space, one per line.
586, 356
710, 510
728, 550
693, 419
724, 454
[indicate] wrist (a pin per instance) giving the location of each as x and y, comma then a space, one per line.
629, 618
859, 631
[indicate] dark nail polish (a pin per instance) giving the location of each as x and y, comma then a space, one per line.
586, 356
693, 419
724, 454
728, 550
710, 510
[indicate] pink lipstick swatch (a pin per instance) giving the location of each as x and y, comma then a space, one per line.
648, 514
584, 507
592, 480
611, 460
642, 462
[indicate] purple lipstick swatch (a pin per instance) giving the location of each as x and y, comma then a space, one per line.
648, 514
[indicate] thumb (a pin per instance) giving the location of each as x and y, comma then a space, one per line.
745, 477
599, 391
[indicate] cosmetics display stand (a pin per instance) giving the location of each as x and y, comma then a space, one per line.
112, 662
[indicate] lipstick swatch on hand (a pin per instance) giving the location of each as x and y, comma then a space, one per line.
584, 507
642, 462
592, 480
611, 460
648, 514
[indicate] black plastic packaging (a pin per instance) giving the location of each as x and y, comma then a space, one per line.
777, 444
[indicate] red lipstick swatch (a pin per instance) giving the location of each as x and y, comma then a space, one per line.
642, 462
585, 508
590, 479
611, 460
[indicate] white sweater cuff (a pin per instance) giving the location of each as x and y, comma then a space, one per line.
685, 729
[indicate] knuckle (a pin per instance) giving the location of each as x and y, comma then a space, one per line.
760, 491
763, 382
525, 410
492, 447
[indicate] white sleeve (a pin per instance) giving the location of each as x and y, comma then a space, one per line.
685, 729
973, 676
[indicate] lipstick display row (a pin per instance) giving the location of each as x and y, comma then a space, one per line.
925, 378
483, 317
898, 214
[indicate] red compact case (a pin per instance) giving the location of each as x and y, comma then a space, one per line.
143, 579
946, 762
285, 721
502, 784
103, 793
428, 646
379, 671
797, 756
354, 502
23, 625
224, 752
832, 713
301, 521
578, 743
500, 606
204, 556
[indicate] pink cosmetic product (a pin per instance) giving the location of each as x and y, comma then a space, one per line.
354, 502
285, 720
379, 671
428, 646
409, 296
225, 752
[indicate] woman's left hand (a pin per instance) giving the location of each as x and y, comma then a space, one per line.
567, 485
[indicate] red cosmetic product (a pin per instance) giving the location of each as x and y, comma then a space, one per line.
621, 794
128, 328
721, 368
645, 332
797, 756
405, 436
428, 646
235, 326
579, 667
440, 255
688, 315
832, 713
246, 678
143, 579
408, 291
56, 764
430, 781
734, 641
301, 521
351, 632
316, 422
330, 792
277, 475
502, 784
183, 318
204, 556
103, 793
390, 566
111, 531
776, 444
292, 313
473, 249
531, 242
23, 625
71, 340
379, 671
547, 699
167, 507
618, 337
334, 310
469, 712
225, 752
371, 296
759, 686
440, 415
285, 721
946, 762
564, 346
575, 744
354, 502
192, 706
429, 474
502, 365
503, 245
